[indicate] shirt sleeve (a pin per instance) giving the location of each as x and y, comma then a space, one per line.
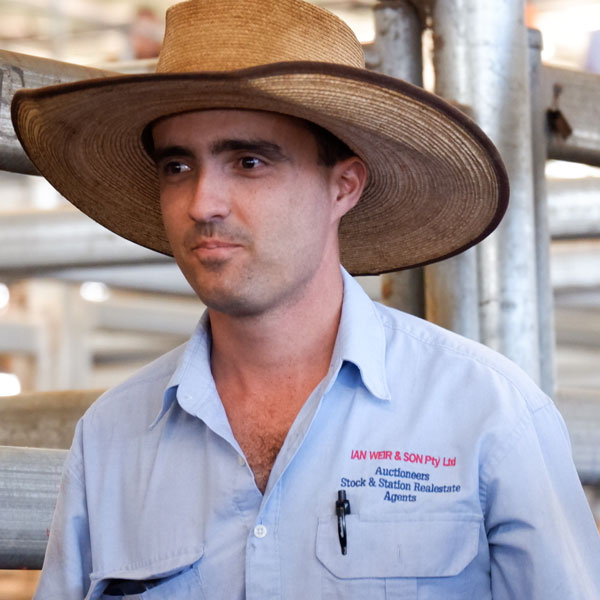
67, 563
542, 536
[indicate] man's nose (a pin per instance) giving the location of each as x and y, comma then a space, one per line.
209, 199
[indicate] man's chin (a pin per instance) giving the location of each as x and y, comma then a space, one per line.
224, 296
233, 306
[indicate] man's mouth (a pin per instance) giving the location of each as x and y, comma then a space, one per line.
214, 243
214, 248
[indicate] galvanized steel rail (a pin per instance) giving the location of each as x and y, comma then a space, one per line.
43, 419
577, 96
23, 71
578, 101
35, 430
29, 482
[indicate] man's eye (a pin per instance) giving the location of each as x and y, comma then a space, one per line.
250, 162
174, 167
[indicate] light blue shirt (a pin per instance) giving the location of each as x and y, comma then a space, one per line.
456, 467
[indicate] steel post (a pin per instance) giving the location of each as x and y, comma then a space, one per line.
29, 482
481, 61
452, 294
398, 30
539, 141
398, 53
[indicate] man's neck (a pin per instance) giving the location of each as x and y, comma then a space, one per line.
292, 343
265, 367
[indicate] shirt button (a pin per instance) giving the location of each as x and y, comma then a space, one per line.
241, 461
260, 531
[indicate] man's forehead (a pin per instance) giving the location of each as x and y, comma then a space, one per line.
223, 127
238, 118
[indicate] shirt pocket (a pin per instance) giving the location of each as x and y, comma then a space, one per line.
388, 555
177, 577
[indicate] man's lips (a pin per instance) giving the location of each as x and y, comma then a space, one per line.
214, 249
213, 244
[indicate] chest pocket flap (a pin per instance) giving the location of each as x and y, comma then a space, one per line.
432, 545
171, 577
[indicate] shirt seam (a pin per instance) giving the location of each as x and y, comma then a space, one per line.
497, 456
75, 454
111, 395
475, 359
383, 347
501, 452
70, 470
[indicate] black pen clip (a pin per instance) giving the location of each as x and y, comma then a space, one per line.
342, 508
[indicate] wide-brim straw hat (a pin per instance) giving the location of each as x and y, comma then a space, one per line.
436, 183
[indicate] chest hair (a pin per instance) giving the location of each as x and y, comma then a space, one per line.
261, 450
260, 429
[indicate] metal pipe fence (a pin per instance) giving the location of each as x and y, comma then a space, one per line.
539, 143
481, 60
398, 52
29, 482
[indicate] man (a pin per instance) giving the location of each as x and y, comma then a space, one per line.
306, 442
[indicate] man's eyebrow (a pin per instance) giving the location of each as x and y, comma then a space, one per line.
163, 152
263, 147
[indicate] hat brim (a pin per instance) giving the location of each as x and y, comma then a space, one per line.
436, 182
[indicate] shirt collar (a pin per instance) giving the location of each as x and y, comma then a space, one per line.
194, 363
360, 341
361, 338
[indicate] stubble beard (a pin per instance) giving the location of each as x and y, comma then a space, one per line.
250, 292
218, 282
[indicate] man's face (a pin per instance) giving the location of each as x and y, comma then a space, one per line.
250, 214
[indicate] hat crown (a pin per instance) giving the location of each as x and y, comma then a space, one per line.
204, 35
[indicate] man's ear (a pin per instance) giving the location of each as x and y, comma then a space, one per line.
349, 177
